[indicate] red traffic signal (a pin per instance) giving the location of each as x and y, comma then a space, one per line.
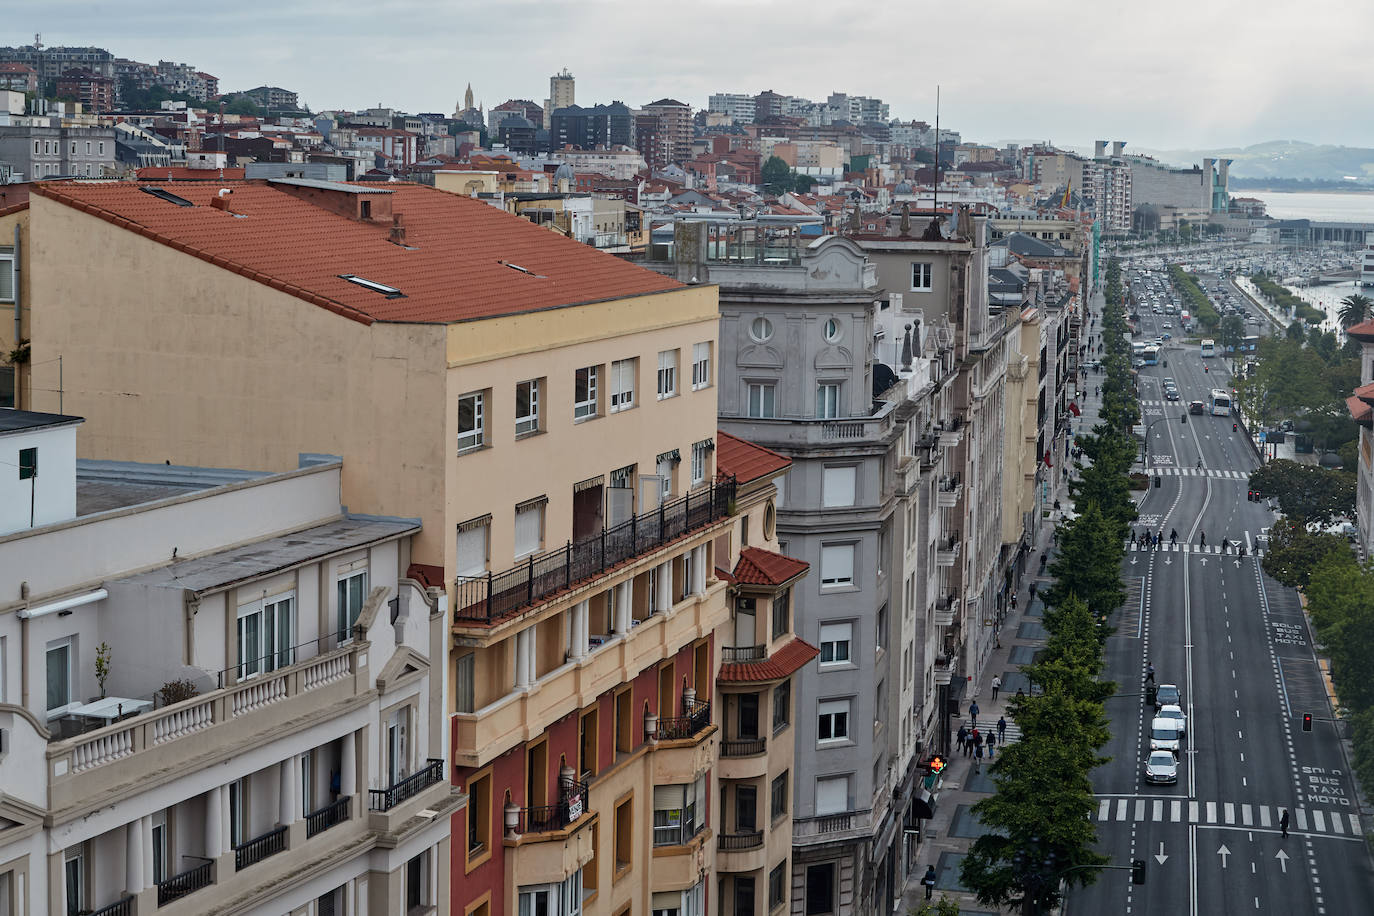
936, 765
1307, 721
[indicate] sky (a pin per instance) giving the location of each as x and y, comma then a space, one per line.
1162, 75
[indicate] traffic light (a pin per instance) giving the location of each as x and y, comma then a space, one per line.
1307, 721
936, 766
1250, 496
1137, 871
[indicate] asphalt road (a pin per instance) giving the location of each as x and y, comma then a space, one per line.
1237, 645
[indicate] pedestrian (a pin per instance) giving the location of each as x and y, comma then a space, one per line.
996, 686
1283, 822
978, 759
1150, 673
992, 744
1002, 727
960, 738
1173, 536
1020, 694
929, 880
973, 715
1204, 538
1013, 601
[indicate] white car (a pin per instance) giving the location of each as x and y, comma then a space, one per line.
1161, 768
1173, 711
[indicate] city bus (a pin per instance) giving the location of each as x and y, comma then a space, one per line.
1249, 344
1150, 355
1221, 402
1209, 348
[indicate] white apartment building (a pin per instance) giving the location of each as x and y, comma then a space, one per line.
215, 692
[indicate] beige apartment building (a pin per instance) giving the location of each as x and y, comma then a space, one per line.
219, 692
14, 289
548, 413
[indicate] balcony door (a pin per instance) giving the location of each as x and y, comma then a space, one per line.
398, 745
587, 508
748, 720
745, 630
746, 806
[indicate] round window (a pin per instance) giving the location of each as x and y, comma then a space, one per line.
832, 330
761, 329
770, 520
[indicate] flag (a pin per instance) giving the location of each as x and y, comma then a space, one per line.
1068, 188
1048, 463
1073, 409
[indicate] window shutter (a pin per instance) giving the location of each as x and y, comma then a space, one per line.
837, 486
472, 551
528, 528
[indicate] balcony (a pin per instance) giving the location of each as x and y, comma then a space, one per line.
801, 432
743, 747
116, 759
261, 847
330, 815
948, 491
685, 727
122, 907
411, 786
734, 842
188, 882
494, 596
551, 818
729, 654
947, 551
945, 609
951, 431
943, 671
827, 828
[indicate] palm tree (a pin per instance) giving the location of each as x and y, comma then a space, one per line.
1354, 309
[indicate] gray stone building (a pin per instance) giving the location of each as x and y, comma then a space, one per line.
39, 152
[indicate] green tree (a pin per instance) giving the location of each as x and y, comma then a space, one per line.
942, 907
1088, 565
776, 176
1231, 331
1306, 492
242, 105
1354, 309
1294, 552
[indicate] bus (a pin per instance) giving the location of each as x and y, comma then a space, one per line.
1150, 355
1209, 348
1221, 402
1249, 344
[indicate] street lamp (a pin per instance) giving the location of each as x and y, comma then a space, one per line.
1145, 455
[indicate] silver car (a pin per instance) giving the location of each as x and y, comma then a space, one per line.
1161, 769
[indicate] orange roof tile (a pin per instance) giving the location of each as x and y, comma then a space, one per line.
782, 663
457, 264
1365, 392
13, 198
757, 566
164, 173
1360, 412
746, 461
1362, 331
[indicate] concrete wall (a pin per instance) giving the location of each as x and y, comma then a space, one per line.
50, 495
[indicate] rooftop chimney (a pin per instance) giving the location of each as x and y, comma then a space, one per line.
1099, 149
398, 229
1117, 147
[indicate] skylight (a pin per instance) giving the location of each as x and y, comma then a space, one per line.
167, 196
390, 292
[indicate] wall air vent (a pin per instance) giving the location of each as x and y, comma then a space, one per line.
390, 292
168, 196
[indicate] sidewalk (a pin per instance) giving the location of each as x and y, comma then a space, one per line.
948, 836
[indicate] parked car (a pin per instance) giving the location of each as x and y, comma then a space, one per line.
1161, 768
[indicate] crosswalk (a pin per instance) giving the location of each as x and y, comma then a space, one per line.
1231, 814
1194, 548
1220, 473
986, 724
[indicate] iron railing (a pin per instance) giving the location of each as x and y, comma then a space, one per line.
495, 595
743, 747
695, 718
743, 653
412, 785
330, 815
121, 907
188, 882
259, 848
734, 841
547, 818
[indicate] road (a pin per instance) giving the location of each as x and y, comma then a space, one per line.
1237, 645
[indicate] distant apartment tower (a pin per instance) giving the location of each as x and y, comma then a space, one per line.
674, 132
738, 105
95, 93
274, 98
562, 94
47, 152
51, 62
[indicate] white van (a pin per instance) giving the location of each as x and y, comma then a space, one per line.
1164, 735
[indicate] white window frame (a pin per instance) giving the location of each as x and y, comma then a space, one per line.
623, 372
7, 262
765, 407
701, 365
836, 644
528, 422
589, 377
699, 461
833, 716
832, 780
159, 836
683, 820
345, 616
667, 374
924, 271
271, 654
67, 643
75, 856
484, 532
839, 486
827, 400
239, 812
475, 437
832, 577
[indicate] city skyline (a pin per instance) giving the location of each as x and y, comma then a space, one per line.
1159, 92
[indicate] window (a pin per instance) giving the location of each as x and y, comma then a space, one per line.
761, 329
562, 899
471, 420
527, 407
701, 365
777, 885
828, 400
623, 373
820, 889
88, 147
529, 526
59, 676
159, 829
238, 811
667, 374
837, 565
28, 463
744, 894
782, 706
101, 147
763, 400
922, 275
880, 629
585, 392
679, 903
624, 835
835, 639
267, 631
74, 874
838, 485
624, 724
473, 542
782, 613
352, 592
778, 799
832, 721
417, 882
465, 688
679, 812
7, 275
479, 817
587, 746
398, 745
700, 458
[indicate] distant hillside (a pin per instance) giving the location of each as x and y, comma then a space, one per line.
1281, 159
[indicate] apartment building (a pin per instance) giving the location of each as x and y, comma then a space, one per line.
41, 150
1361, 407
218, 689
672, 132
14, 289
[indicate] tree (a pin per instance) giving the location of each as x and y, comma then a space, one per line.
1232, 331
242, 105
1087, 565
1306, 492
1294, 552
802, 183
942, 907
1354, 309
776, 176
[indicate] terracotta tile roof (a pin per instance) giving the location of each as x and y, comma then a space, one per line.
1360, 412
757, 566
163, 173
725, 575
782, 663
457, 264
426, 574
1362, 331
1365, 392
13, 198
746, 461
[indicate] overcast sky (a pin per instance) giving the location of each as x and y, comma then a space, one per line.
1164, 74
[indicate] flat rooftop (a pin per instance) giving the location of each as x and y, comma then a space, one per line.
105, 485
16, 421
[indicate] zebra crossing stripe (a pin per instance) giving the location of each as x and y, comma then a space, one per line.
1158, 810
1355, 828
1301, 814
1121, 810
1104, 809
1319, 821
1247, 817
1175, 809
1264, 815
1140, 809
1192, 812
1211, 812
1229, 812
1334, 822
1336, 825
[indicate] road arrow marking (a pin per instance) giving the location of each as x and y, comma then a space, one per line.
1223, 852
1237, 562
1204, 561
1133, 561
1161, 858
1168, 562
1283, 860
